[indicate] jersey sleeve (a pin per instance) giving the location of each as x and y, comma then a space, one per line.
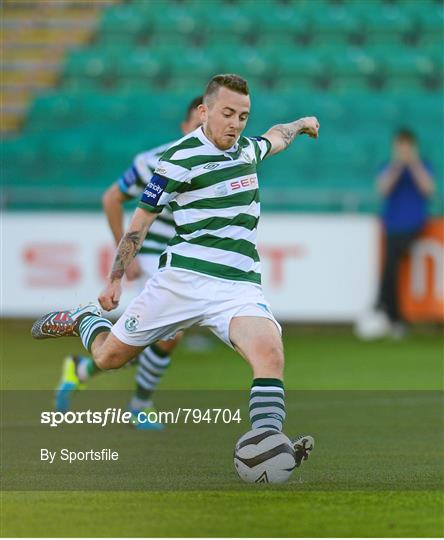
262, 147
167, 182
133, 180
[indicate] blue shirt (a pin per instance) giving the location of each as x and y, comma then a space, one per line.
405, 207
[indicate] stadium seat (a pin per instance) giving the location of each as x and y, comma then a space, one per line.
363, 108
429, 17
123, 20
402, 67
89, 65
173, 19
388, 22
191, 65
335, 24
141, 63
217, 21
348, 67
300, 66
286, 21
161, 41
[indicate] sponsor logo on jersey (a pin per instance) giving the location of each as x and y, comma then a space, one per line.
244, 183
160, 170
211, 166
154, 190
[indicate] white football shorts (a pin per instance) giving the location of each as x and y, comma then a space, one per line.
175, 299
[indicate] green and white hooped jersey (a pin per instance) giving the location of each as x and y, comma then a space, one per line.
214, 197
133, 182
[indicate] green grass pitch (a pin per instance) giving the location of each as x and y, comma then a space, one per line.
382, 483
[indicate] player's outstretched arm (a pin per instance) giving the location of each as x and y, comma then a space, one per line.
127, 249
282, 135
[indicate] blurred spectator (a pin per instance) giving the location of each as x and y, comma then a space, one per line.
405, 184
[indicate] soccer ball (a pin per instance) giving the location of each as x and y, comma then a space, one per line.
264, 456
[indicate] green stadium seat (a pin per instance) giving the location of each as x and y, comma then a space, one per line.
342, 83
189, 64
217, 21
123, 20
335, 24
324, 105
80, 84
363, 108
383, 22
87, 63
349, 60
122, 40
267, 109
295, 67
141, 63
403, 67
161, 41
21, 159
214, 40
430, 19
276, 21
224, 56
308, 7
435, 52
112, 49
425, 108
174, 19
271, 41
348, 67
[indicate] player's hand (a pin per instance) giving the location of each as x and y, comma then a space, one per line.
133, 271
309, 126
110, 296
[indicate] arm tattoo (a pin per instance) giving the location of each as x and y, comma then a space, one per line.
288, 132
126, 251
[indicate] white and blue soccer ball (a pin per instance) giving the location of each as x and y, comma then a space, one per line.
264, 456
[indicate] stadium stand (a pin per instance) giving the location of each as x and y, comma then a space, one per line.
101, 70
35, 36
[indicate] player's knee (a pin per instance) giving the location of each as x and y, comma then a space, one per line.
272, 356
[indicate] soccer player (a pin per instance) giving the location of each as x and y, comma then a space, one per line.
209, 274
155, 359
